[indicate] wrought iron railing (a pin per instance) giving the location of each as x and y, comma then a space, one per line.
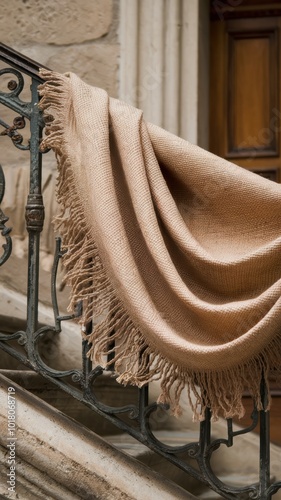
194, 458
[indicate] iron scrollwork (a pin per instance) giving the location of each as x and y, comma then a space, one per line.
12, 132
12, 99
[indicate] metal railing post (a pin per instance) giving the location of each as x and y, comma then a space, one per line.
34, 216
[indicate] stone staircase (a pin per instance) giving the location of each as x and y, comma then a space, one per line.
236, 466
35, 388
58, 458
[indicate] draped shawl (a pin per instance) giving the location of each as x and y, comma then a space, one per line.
176, 250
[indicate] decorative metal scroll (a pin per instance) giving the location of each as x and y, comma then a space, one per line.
193, 458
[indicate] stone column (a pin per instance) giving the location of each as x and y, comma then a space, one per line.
164, 63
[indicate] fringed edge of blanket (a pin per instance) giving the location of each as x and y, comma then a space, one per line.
135, 361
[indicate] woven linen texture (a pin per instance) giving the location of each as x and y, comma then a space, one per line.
176, 249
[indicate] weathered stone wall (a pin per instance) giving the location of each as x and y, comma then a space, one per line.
64, 35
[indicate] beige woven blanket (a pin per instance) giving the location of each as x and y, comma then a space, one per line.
181, 250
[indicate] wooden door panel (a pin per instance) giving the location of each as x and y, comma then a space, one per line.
245, 117
251, 86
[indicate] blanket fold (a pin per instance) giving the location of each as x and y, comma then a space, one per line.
176, 249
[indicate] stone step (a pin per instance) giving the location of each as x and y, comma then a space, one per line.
233, 465
53, 395
59, 459
156, 462
229, 477
230, 480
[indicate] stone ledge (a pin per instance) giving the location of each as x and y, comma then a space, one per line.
31, 483
75, 457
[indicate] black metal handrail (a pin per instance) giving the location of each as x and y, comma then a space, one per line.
80, 383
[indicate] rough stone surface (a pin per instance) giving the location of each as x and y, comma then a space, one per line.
60, 23
96, 64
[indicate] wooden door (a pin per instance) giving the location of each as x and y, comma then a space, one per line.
245, 111
245, 114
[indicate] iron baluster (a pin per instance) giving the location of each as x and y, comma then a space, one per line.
5, 231
264, 471
34, 216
